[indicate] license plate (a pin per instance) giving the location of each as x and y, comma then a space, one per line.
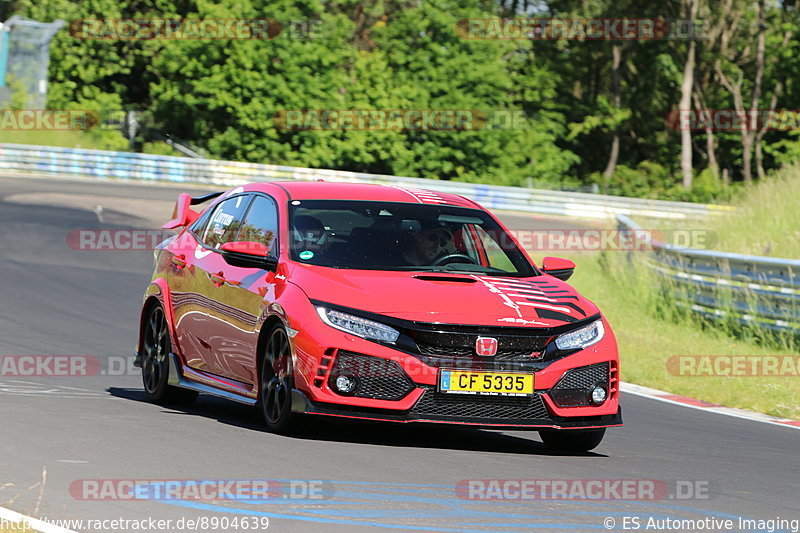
490, 383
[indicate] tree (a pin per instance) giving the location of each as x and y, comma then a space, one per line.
686, 98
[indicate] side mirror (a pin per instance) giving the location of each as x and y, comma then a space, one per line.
558, 267
248, 254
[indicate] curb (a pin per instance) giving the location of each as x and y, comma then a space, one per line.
692, 403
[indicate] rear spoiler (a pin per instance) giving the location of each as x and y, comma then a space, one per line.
183, 214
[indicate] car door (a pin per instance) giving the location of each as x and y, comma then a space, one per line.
187, 294
244, 296
199, 315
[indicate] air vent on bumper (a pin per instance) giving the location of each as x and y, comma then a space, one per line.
574, 389
375, 377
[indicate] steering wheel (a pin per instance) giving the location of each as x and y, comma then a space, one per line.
454, 258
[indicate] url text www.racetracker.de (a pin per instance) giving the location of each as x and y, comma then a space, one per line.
150, 524
708, 523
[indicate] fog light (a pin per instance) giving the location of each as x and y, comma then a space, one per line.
598, 395
345, 384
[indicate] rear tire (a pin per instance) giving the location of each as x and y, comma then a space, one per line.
572, 440
276, 385
155, 362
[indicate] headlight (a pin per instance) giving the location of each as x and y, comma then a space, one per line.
581, 338
358, 326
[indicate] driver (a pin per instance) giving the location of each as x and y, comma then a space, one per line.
310, 235
428, 244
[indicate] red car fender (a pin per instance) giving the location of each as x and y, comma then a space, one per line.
607, 350
293, 308
604, 350
159, 289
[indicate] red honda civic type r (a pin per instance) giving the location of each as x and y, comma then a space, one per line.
373, 302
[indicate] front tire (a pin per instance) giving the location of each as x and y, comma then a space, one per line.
155, 362
572, 440
277, 382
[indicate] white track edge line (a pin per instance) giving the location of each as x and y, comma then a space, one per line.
735, 412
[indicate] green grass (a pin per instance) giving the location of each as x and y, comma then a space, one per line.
64, 138
766, 222
767, 218
101, 139
647, 339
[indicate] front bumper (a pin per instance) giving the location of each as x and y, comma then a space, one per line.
396, 384
432, 407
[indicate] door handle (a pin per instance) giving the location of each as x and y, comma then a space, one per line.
219, 279
179, 261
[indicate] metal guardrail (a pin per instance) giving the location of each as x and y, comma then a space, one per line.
752, 289
20, 159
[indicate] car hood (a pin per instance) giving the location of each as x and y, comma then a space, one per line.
541, 301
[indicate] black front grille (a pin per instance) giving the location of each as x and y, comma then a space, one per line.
453, 351
461, 406
573, 389
510, 346
378, 378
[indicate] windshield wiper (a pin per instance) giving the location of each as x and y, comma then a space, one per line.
490, 271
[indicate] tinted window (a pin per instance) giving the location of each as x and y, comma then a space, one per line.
402, 236
496, 256
224, 223
261, 224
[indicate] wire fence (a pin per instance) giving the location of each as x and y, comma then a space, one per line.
25, 56
751, 290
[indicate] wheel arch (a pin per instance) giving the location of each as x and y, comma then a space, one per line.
266, 328
157, 294
149, 302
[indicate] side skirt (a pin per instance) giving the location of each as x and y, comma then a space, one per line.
176, 379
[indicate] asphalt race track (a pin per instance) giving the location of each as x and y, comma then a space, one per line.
59, 300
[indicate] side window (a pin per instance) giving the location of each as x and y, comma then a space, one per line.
497, 257
464, 243
199, 225
224, 223
261, 224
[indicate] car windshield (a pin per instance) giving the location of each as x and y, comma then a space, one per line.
402, 236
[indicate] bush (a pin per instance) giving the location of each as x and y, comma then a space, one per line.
159, 148
651, 180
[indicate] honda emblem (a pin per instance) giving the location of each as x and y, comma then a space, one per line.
486, 346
